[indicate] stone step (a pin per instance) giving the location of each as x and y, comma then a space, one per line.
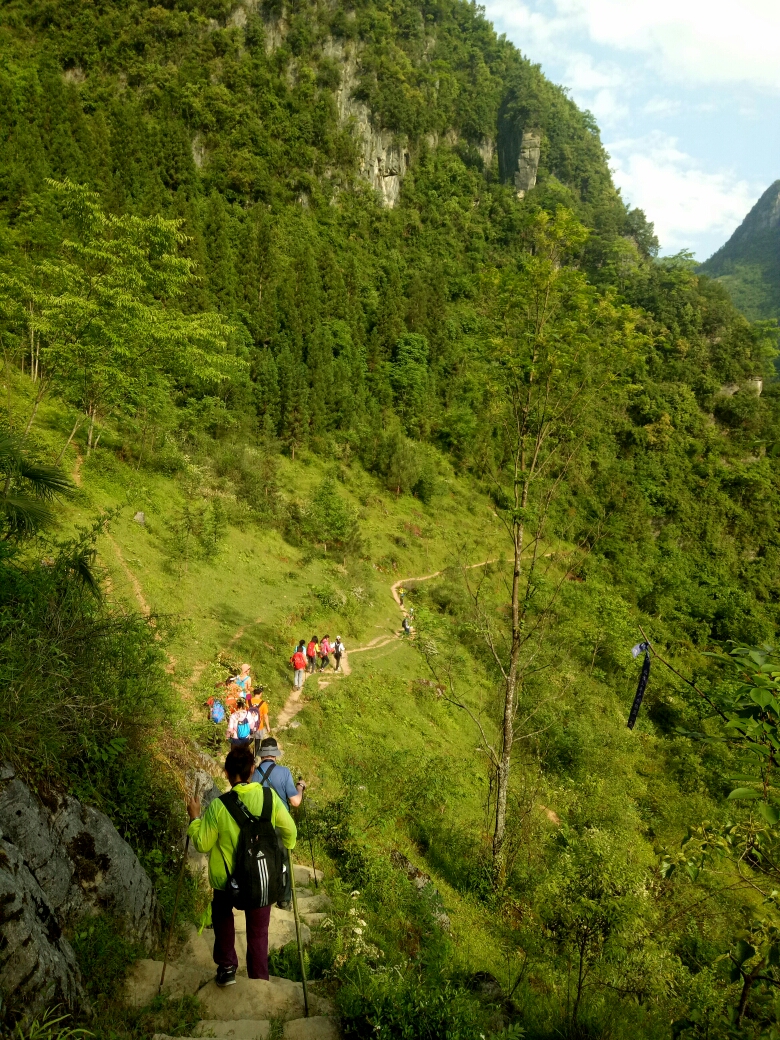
313, 902
305, 875
258, 999
248, 1029
181, 980
319, 1027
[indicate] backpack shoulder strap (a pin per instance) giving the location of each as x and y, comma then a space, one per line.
264, 776
241, 814
237, 809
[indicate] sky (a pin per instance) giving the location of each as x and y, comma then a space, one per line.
686, 93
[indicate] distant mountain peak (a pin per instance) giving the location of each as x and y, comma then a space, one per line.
749, 263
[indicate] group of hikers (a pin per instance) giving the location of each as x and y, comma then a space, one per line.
306, 657
245, 707
249, 832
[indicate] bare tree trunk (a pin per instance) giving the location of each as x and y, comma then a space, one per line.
746, 987
33, 366
8, 374
580, 980
91, 414
73, 432
508, 728
42, 386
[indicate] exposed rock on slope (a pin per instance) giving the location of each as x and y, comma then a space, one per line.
59, 861
37, 965
78, 858
384, 159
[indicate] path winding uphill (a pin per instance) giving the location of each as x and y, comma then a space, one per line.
295, 702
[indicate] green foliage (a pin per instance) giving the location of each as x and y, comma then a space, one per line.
403, 1005
85, 688
285, 963
49, 1027
104, 954
29, 490
328, 520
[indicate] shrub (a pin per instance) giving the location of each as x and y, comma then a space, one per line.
393, 1005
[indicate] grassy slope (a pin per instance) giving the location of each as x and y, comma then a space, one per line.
377, 734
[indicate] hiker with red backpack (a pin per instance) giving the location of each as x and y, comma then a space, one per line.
298, 661
311, 652
239, 832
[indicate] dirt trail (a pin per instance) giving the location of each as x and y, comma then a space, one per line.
295, 703
139, 592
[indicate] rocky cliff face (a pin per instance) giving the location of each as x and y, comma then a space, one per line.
384, 158
519, 154
59, 860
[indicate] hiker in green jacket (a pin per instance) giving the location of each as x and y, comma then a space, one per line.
217, 833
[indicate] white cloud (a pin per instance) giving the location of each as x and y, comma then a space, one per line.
694, 41
685, 202
662, 106
699, 41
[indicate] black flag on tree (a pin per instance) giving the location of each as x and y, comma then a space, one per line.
645, 675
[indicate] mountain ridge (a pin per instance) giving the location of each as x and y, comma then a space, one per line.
749, 263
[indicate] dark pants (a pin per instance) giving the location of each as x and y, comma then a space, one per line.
312, 662
337, 658
225, 936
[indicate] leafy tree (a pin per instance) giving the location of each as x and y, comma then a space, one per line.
29, 491
98, 314
747, 717
555, 345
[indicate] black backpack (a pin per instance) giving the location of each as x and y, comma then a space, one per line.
257, 861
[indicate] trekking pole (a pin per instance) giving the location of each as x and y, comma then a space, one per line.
300, 944
173, 918
307, 818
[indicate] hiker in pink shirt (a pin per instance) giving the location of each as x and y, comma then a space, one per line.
325, 649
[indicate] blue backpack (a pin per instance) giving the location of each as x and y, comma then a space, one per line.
244, 730
217, 713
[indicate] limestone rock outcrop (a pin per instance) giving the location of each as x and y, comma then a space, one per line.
528, 162
78, 858
37, 965
384, 157
59, 860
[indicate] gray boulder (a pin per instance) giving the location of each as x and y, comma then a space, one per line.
105, 868
37, 965
78, 859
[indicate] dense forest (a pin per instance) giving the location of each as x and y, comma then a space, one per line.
199, 274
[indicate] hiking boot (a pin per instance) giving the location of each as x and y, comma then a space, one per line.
285, 905
226, 977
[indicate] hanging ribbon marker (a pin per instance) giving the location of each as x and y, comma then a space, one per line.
642, 686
